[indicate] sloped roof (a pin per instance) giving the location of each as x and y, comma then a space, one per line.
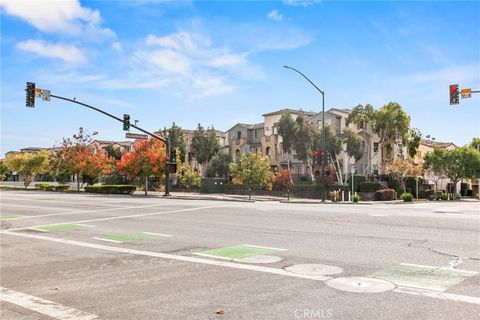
433, 144
293, 111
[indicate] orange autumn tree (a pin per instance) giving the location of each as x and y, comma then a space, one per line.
148, 158
79, 157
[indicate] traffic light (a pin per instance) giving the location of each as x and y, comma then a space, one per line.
30, 95
173, 155
454, 94
126, 122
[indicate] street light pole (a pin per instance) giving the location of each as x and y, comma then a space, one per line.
324, 143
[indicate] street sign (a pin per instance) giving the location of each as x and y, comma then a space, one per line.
45, 95
137, 136
466, 93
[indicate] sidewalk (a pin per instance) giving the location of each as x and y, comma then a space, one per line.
259, 198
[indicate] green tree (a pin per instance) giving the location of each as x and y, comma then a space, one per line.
413, 142
3, 171
364, 116
187, 178
286, 129
392, 124
475, 143
455, 164
28, 165
433, 162
253, 170
113, 152
333, 146
219, 165
205, 144
353, 144
177, 140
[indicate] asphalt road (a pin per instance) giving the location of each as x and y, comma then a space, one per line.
76, 256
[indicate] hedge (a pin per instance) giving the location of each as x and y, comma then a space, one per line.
369, 186
407, 197
52, 187
111, 189
385, 195
357, 179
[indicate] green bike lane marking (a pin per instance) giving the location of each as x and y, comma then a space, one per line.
9, 217
237, 252
438, 279
130, 237
61, 227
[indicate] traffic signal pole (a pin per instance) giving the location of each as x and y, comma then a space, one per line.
166, 141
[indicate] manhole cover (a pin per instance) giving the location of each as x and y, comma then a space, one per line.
312, 269
260, 259
360, 285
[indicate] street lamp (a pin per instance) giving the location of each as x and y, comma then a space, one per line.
323, 129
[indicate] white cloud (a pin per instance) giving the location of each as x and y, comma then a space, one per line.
64, 52
117, 46
65, 17
275, 15
189, 61
301, 3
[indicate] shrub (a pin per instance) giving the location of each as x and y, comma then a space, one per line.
62, 187
334, 196
282, 181
369, 186
407, 197
42, 186
357, 179
111, 189
385, 195
356, 198
443, 196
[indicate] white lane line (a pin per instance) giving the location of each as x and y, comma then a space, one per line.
218, 263
262, 247
31, 207
438, 295
63, 202
125, 217
212, 256
89, 211
38, 229
42, 306
157, 234
108, 240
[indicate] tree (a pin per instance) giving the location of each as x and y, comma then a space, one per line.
219, 165
434, 164
353, 144
113, 152
303, 140
362, 116
475, 143
333, 146
286, 130
3, 171
80, 158
413, 142
455, 164
205, 144
177, 140
401, 169
148, 158
28, 165
253, 170
391, 123
187, 178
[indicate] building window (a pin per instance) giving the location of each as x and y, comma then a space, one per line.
360, 125
255, 134
239, 134
267, 151
375, 147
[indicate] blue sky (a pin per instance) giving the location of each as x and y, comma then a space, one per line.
220, 62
